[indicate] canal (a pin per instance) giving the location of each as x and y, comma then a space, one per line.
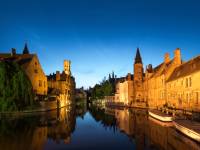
92, 128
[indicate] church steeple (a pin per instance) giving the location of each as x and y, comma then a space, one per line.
138, 77
25, 51
138, 59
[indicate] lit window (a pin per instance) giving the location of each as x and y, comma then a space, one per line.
40, 83
186, 83
197, 97
190, 81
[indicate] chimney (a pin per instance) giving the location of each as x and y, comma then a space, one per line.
167, 58
57, 75
13, 52
150, 68
177, 56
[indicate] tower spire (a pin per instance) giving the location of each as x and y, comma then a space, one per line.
138, 58
26, 51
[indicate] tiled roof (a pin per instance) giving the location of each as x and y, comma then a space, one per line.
21, 59
186, 68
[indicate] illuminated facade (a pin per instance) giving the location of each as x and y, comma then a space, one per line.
124, 90
62, 84
31, 66
155, 90
183, 89
173, 82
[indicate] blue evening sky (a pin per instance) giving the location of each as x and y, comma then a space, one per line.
100, 36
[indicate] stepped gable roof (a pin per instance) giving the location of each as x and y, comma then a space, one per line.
157, 70
157, 67
186, 68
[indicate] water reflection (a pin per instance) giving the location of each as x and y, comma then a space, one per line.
32, 132
93, 128
146, 132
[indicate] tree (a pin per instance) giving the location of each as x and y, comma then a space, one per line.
15, 88
104, 88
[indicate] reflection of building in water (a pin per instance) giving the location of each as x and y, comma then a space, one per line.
63, 126
178, 141
158, 134
140, 128
19, 134
167, 138
110, 111
125, 121
133, 123
31, 133
39, 138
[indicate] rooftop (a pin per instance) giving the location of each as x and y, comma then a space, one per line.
186, 68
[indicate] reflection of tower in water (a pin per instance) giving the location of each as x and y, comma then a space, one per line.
61, 129
133, 123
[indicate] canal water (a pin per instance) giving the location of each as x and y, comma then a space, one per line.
93, 128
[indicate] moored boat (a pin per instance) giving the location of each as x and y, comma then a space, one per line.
160, 123
189, 128
160, 116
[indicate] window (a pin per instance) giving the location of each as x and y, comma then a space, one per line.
190, 81
197, 97
40, 83
188, 97
44, 84
186, 83
36, 63
35, 70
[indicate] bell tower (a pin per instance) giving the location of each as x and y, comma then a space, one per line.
67, 65
138, 77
